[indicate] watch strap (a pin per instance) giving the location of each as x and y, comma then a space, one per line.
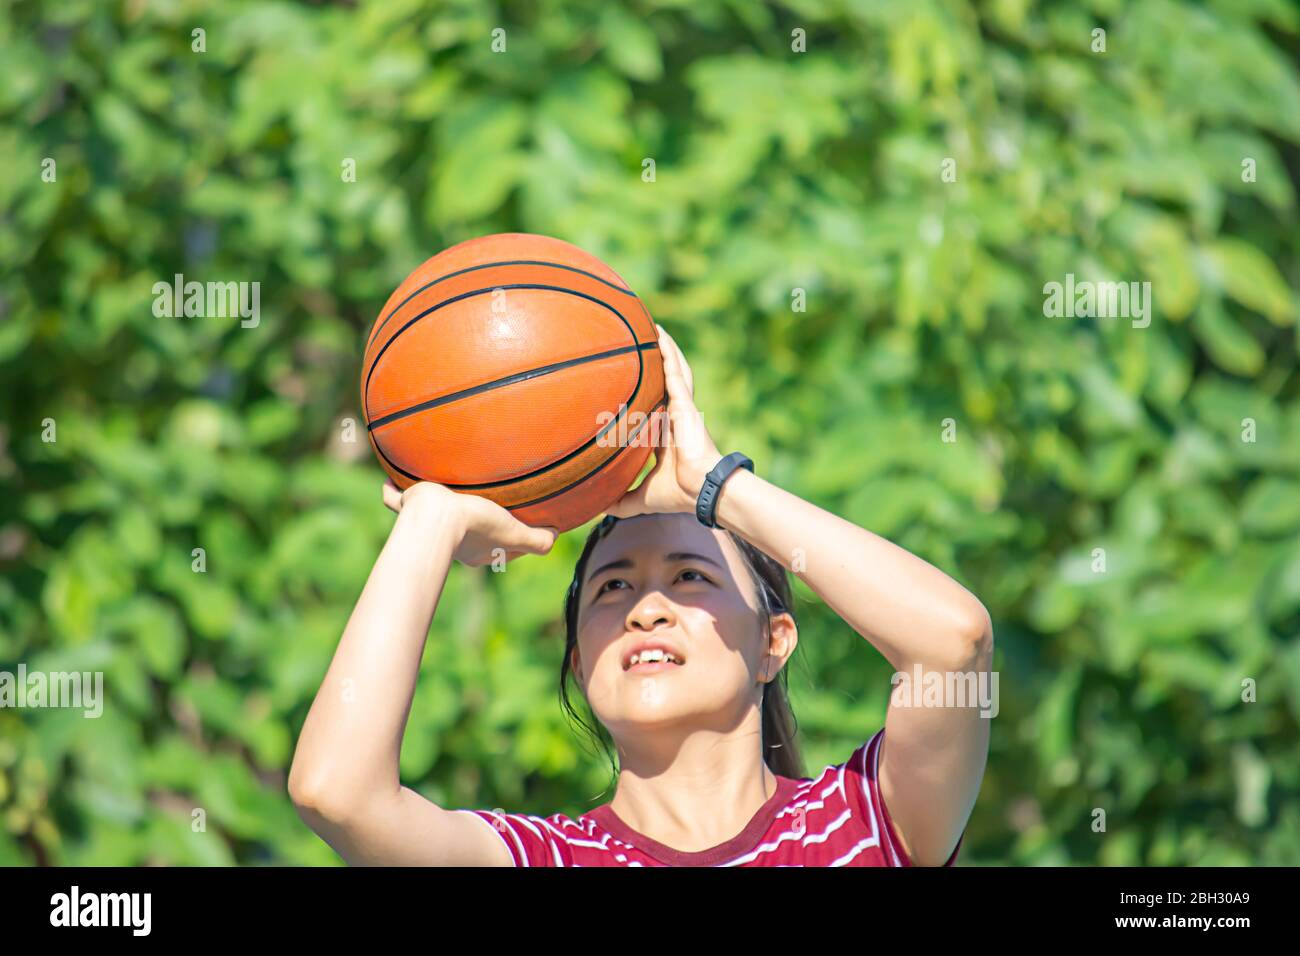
706, 505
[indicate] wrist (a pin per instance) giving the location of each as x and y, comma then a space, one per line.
730, 511
433, 515
696, 472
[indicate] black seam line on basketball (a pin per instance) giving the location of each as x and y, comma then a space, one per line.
662, 403
489, 265
550, 466
636, 390
508, 380
395, 466
365, 392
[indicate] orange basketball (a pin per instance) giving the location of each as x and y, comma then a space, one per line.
519, 368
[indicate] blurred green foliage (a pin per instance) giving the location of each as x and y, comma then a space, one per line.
775, 170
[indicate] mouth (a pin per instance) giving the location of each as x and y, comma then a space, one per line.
652, 658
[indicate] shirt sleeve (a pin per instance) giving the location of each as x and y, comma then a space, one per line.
531, 840
862, 778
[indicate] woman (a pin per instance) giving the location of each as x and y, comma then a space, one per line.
708, 773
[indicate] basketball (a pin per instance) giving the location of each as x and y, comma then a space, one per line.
520, 368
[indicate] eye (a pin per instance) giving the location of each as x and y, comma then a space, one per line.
601, 590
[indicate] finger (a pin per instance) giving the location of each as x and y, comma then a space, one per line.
679, 358
530, 540
683, 369
686, 432
678, 391
630, 502
392, 497
633, 502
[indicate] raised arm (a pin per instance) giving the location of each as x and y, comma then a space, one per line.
344, 780
915, 615
933, 758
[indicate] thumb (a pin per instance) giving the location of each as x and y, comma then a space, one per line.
509, 532
538, 540
633, 502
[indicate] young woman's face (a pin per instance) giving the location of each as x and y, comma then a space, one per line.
670, 581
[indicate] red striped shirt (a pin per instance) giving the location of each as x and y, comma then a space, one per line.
837, 818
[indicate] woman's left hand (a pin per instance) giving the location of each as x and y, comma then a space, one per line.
685, 453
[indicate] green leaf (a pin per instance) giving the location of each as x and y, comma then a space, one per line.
1247, 275
1231, 346
1272, 505
630, 44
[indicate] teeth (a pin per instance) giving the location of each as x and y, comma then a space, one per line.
654, 654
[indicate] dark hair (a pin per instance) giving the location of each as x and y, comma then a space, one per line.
779, 727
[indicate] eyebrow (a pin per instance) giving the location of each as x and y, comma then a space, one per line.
670, 556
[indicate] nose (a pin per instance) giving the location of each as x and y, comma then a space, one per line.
650, 612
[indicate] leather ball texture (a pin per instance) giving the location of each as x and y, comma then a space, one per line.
517, 367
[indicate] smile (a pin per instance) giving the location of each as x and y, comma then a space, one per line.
652, 659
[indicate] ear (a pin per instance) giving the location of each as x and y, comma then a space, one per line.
785, 638
576, 664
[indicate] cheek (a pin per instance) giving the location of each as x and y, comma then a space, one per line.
598, 635
597, 630
730, 617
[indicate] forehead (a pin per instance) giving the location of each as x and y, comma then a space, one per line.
651, 537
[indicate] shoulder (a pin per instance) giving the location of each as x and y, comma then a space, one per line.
535, 840
844, 799
860, 778
847, 784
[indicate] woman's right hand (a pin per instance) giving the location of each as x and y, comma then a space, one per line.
484, 530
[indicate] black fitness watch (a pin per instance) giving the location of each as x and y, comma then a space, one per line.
707, 504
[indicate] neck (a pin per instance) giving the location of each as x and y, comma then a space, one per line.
697, 797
